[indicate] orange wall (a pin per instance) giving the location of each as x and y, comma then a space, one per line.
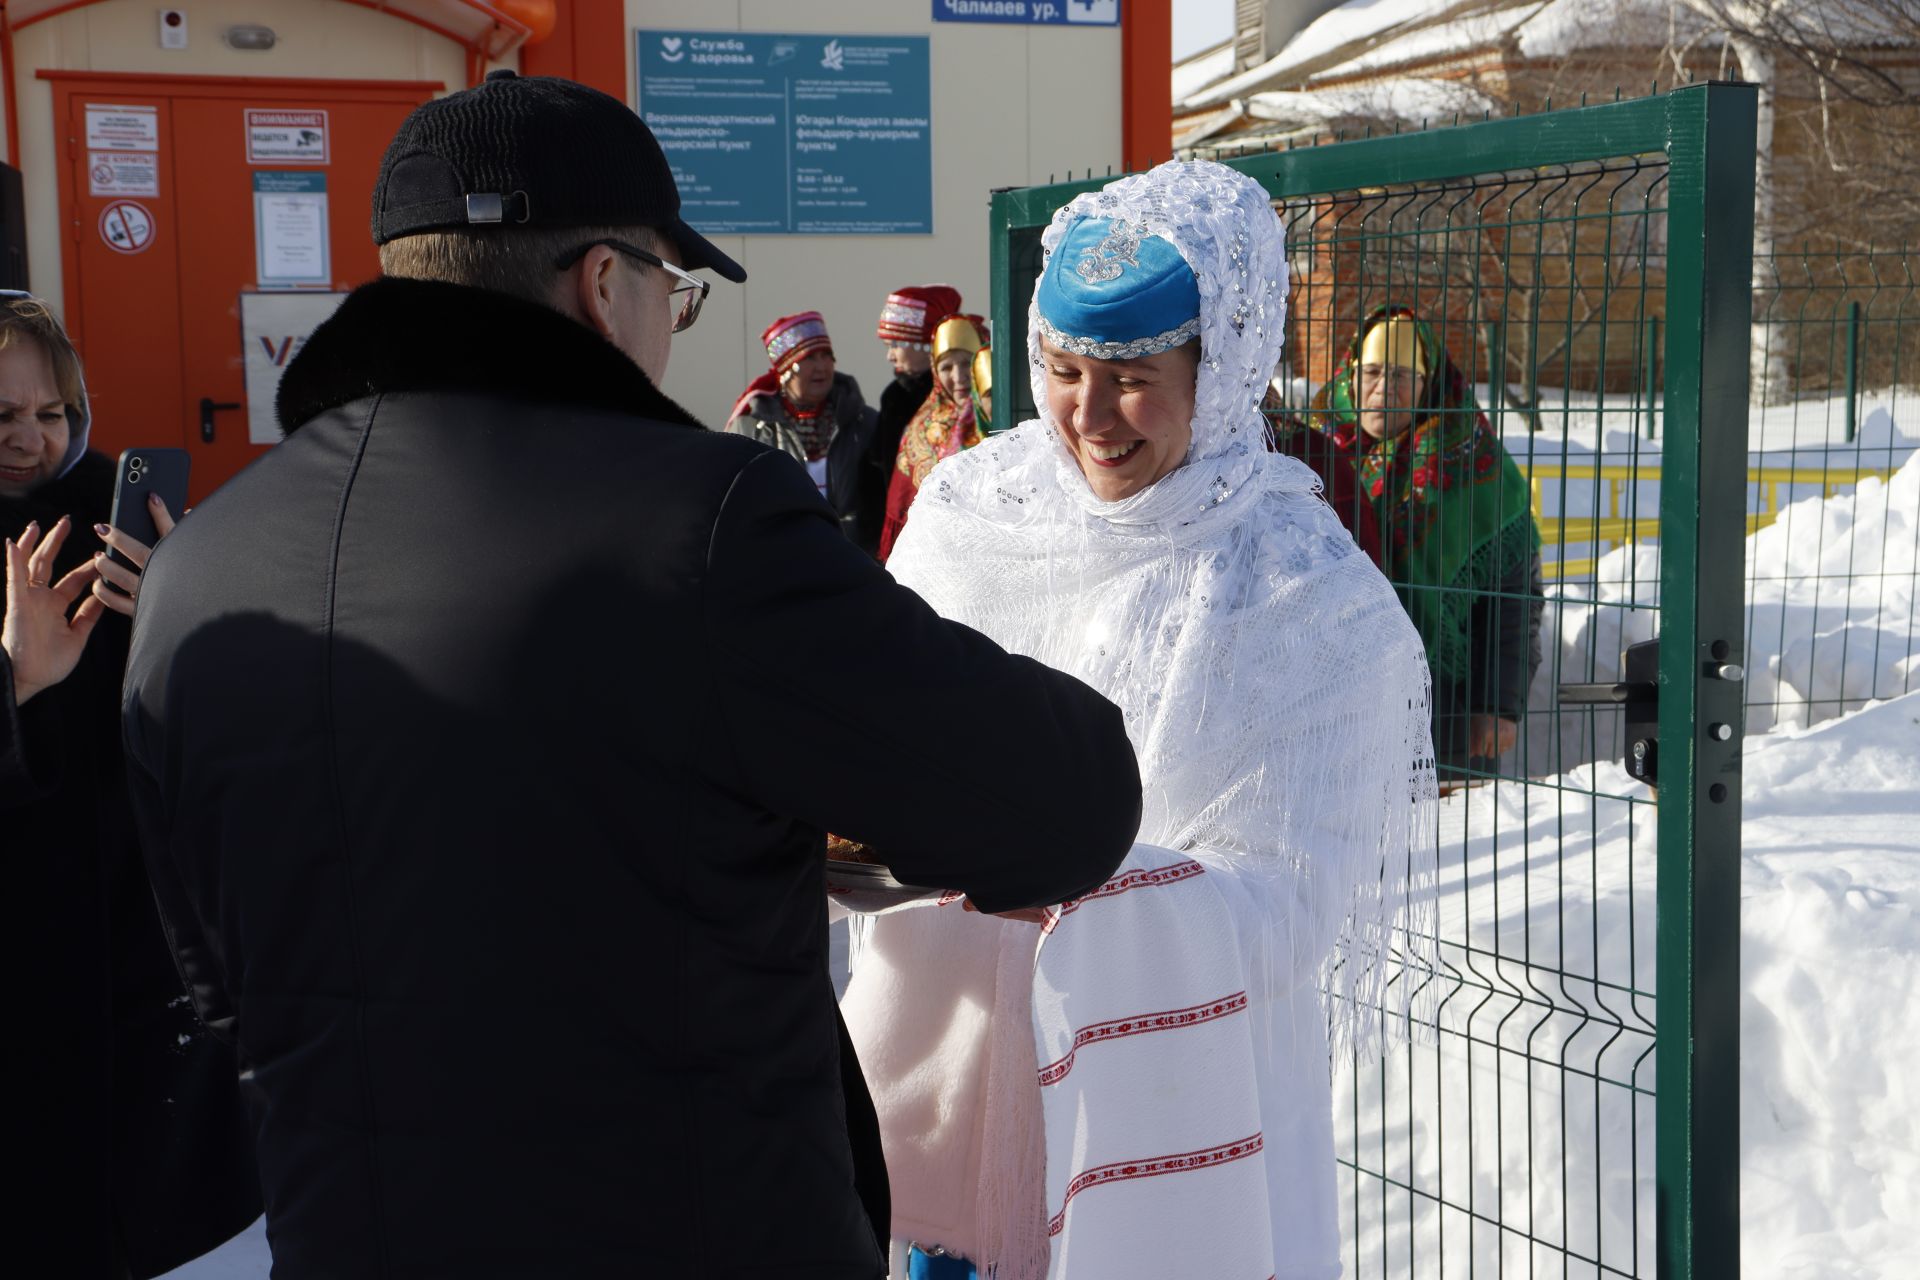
588, 44
1146, 56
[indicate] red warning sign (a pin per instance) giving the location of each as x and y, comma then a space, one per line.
126, 226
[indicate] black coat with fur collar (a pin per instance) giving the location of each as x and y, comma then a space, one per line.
483, 738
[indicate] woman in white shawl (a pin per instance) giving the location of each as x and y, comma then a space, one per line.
1139, 1086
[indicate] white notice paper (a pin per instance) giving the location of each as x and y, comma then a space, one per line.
286, 137
123, 173
290, 230
273, 328
111, 127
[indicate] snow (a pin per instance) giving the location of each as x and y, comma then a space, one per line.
1399, 30
1561, 28
1561, 876
1406, 98
1830, 619
1467, 34
1201, 70
1381, 20
1374, 35
1792, 433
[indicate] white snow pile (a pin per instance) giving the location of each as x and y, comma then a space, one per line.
1829, 625
1549, 878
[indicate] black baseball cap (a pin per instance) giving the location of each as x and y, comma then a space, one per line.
532, 151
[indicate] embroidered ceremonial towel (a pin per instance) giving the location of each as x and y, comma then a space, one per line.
1187, 1130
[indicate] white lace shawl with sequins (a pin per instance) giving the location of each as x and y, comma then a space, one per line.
1275, 692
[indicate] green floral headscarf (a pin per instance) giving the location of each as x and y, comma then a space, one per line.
1455, 511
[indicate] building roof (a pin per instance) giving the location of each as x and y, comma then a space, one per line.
1196, 71
1367, 38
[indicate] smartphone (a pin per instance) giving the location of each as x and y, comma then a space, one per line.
143, 472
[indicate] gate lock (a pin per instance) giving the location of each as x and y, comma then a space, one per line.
1639, 693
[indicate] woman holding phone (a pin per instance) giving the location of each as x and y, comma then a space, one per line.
129, 1132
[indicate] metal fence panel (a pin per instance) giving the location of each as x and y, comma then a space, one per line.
1589, 272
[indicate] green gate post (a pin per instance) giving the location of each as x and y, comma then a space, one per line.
1000, 311
1017, 212
1702, 537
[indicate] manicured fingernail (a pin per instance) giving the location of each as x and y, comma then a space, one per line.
153, 499
103, 530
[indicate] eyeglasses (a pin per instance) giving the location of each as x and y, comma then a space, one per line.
692, 291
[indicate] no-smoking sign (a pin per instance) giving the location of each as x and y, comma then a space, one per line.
126, 226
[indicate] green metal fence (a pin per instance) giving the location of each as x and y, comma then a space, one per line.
1591, 273
1831, 587
1831, 577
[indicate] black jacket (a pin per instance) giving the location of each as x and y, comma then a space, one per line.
1505, 639
900, 400
127, 1144
481, 819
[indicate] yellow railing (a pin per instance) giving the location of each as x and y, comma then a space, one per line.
1603, 530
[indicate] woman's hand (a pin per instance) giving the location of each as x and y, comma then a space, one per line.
1027, 915
113, 576
42, 642
1490, 736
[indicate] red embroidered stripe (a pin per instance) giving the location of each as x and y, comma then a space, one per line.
1226, 1153
1139, 878
1171, 1020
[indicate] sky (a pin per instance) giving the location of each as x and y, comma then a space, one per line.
1200, 23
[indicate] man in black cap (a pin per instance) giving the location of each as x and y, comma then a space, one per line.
484, 735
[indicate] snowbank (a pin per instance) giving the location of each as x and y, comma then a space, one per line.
1830, 620
1561, 877
1407, 98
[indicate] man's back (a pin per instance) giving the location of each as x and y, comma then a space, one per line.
484, 740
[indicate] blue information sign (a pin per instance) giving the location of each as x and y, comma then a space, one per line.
812, 133
1092, 13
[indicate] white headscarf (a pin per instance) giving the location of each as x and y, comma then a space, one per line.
1273, 687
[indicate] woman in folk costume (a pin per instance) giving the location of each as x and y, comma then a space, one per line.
947, 422
1457, 533
804, 407
908, 320
1139, 1086
983, 390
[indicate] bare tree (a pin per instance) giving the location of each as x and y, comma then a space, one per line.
1858, 114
